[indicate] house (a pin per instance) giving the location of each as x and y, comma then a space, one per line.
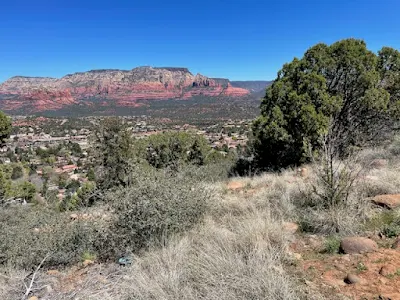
69, 168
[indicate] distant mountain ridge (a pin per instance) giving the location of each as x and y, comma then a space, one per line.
116, 88
252, 86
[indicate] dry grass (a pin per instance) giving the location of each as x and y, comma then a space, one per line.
236, 258
240, 250
11, 283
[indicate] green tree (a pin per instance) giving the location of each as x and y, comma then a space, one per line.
27, 191
171, 149
84, 196
91, 175
4, 184
62, 180
343, 91
195, 155
75, 149
17, 172
113, 153
5, 127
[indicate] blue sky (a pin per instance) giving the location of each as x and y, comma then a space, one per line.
236, 39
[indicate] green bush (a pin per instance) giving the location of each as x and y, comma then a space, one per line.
84, 196
332, 245
151, 209
29, 234
392, 230
17, 172
174, 149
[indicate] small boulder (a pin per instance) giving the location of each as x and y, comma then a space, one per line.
73, 217
387, 201
388, 270
235, 185
303, 172
53, 272
352, 279
393, 296
33, 298
357, 245
290, 227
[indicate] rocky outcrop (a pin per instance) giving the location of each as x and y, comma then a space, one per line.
357, 245
111, 87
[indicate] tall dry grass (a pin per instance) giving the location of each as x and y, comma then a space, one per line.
240, 249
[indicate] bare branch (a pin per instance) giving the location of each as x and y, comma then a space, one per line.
29, 288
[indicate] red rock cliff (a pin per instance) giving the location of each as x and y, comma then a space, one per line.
123, 88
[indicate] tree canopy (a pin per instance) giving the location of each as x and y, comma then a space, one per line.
343, 89
5, 127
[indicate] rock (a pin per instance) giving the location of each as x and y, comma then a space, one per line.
73, 216
87, 262
235, 185
53, 272
352, 279
387, 201
393, 296
290, 227
113, 87
379, 163
303, 172
388, 270
396, 244
357, 245
33, 298
295, 256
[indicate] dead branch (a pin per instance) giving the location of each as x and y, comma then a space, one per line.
30, 287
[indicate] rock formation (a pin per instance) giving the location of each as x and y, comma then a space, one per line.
110, 87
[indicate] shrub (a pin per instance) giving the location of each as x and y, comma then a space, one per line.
394, 148
332, 200
332, 245
153, 208
174, 149
84, 196
29, 234
386, 222
17, 172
